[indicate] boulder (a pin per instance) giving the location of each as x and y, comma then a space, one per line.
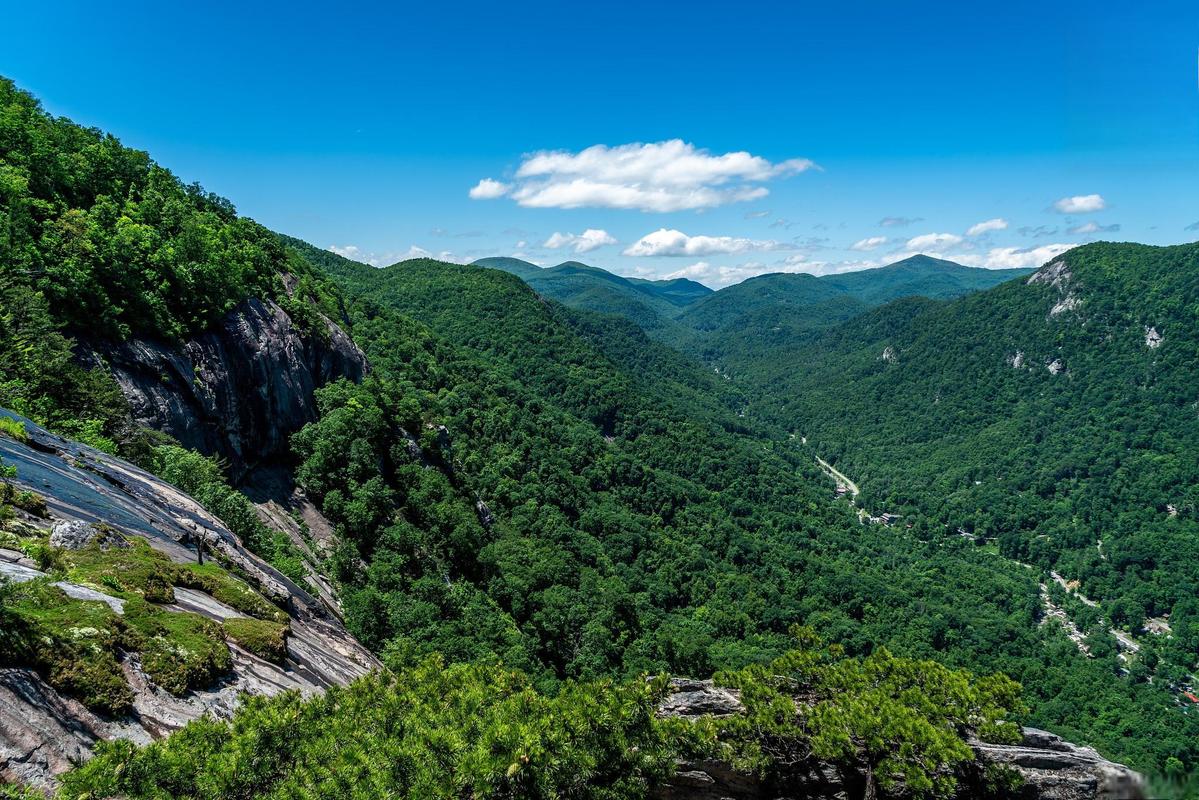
77, 534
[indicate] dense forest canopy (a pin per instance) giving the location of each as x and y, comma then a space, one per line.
551, 489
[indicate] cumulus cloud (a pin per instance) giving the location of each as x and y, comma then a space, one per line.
1013, 257
1080, 204
350, 251
663, 242
659, 176
585, 242
868, 243
488, 189
997, 224
1094, 227
899, 222
718, 276
933, 241
356, 253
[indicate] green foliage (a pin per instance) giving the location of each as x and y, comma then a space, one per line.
262, 638
180, 651
28, 501
202, 478
640, 526
74, 645
14, 429
428, 732
140, 571
113, 242
898, 721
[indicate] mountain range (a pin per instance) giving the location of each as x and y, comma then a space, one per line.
879, 528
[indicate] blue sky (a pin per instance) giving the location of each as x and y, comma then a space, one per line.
714, 140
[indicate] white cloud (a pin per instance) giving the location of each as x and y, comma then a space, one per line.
419, 252
1080, 204
659, 176
585, 242
933, 241
899, 222
350, 251
997, 224
488, 189
868, 244
720, 276
663, 242
1013, 257
1094, 227
356, 253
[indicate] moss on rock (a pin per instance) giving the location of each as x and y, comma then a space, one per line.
264, 639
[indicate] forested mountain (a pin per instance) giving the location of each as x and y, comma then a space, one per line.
1055, 416
759, 314
918, 276
525, 508
649, 304
750, 492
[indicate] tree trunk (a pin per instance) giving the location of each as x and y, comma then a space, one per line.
871, 784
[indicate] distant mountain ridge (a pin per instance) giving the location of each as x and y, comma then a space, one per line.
775, 307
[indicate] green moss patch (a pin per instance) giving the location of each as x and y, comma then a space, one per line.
216, 581
73, 644
141, 571
76, 645
264, 639
179, 651
137, 571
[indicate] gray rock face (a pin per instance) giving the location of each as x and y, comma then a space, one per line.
1051, 768
692, 698
76, 534
43, 733
238, 391
1059, 770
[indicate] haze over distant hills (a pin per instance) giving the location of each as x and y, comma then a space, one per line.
692, 317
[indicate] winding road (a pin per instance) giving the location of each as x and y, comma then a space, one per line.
839, 476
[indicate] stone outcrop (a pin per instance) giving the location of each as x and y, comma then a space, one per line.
43, 733
238, 391
1050, 767
76, 534
1058, 276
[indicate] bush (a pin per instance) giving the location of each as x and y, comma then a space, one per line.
428, 732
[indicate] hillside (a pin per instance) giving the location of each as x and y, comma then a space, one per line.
918, 276
648, 304
756, 316
728, 503
1054, 416
520, 508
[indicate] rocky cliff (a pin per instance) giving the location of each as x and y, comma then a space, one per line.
1049, 767
42, 731
238, 391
